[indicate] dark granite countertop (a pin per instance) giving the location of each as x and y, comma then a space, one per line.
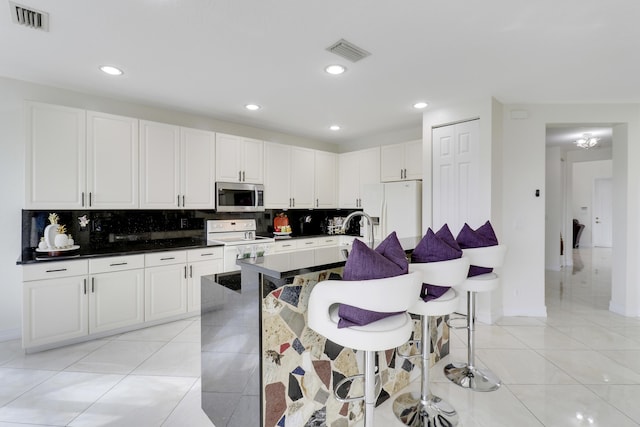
305, 261
30, 256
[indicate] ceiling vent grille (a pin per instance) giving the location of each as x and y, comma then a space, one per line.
348, 50
29, 17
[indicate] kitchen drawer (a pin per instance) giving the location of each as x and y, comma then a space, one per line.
165, 258
216, 252
52, 270
285, 246
327, 241
307, 243
116, 263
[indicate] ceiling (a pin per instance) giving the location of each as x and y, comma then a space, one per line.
565, 135
212, 57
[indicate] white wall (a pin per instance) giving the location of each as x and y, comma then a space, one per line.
584, 174
12, 146
524, 171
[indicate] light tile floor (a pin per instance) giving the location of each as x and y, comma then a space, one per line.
580, 366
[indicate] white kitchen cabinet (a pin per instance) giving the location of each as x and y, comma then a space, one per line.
326, 179
197, 155
112, 161
239, 159
277, 176
356, 169
116, 292
283, 246
159, 165
401, 162
80, 159
302, 178
176, 167
56, 147
54, 302
165, 285
201, 262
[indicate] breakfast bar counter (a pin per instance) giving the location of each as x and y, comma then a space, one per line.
262, 365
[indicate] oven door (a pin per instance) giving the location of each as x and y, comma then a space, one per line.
239, 197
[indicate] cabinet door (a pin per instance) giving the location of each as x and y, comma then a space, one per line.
277, 161
196, 271
369, 167
413, 159
116, 300
228, 151
54, 310
326, 179
55, 157
198, 164
159, 165
302, 178
349, 178
165, 291
392, 162
253, 161
112, 161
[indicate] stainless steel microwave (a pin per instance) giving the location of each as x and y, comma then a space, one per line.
239, 197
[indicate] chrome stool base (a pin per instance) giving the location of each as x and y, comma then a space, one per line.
434, 412
471, 377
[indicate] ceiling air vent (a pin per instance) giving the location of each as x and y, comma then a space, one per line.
348, 50
29, 17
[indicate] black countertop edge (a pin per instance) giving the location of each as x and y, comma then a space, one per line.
30, 256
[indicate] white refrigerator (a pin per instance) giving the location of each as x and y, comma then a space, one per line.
393, 206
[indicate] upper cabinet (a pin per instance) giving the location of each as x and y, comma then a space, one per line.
78, 159
239, 159
326, 168
401, 162
355, 169
302, 178
176, 167
277, 176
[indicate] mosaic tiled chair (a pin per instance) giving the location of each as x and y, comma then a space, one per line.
393, 294
428, 410
467, 375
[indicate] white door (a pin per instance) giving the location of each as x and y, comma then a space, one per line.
197, 169
196, 271
165, 291
116, 300
228, 154
413, 159
112, 161
159, 165
277, 160
392, 162
602, 213
302, 178
349, 180
253, 161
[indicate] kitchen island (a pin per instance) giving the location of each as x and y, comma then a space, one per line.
262, 365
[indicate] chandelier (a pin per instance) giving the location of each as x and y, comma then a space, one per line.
587, 141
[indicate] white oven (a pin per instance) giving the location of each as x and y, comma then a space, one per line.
239, 239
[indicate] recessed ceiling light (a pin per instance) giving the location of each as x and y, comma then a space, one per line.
334, 127
252, 107
111, 70
335, 69
420, 105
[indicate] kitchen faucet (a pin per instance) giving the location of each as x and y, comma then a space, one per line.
345, 224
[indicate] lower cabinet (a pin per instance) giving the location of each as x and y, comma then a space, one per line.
67, 301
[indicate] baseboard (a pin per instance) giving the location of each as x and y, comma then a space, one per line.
10, 334
529, 312
621, 310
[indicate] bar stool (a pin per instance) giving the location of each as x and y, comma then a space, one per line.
467, 375
429, 410
393, 294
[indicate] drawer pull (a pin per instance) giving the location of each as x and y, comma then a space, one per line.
85, 286
118, 263
309, 243
168, 258
209, 254
56, 271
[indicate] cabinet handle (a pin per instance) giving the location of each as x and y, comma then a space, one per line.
183, 200
317, 203
56, 271
289, 201
209, 254
83, 199
191, 271
90, 196
294, 202
178, 200
166, 259
85, 286
118, 263
243, 177
185, 271
93, 285
240, 176
309, 243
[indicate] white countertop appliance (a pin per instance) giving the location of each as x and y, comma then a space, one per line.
239, 239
